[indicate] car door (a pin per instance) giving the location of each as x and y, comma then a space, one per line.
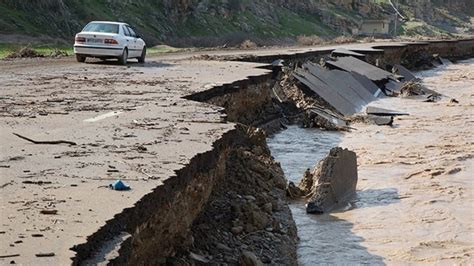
139, 41
137, 49
130, 41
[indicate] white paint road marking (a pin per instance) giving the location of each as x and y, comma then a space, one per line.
101, 117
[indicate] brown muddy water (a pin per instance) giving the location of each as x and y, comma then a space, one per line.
414, 202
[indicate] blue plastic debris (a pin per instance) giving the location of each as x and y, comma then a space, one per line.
119, 185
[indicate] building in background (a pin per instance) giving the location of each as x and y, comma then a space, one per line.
374, 27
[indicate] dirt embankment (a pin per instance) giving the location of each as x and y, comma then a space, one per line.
246, 219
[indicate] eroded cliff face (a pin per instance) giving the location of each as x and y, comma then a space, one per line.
246, 219
217, 22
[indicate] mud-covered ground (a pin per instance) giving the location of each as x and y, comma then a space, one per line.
129, 123
420, 175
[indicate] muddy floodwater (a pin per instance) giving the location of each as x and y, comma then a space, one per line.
414, 201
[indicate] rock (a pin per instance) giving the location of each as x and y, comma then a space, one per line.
249, 228
454, 171
307, 180
250, 198
223, 247
383, 120
276, 226
292, 191
373, 120
249, 259
198, 258
189, 241
237, 230
333, 181
259, 219
236, 208
268, 207
313, 208
279, 181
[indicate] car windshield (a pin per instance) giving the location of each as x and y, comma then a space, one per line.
102, 27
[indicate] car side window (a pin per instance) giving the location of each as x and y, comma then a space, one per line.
132, 32
126, 31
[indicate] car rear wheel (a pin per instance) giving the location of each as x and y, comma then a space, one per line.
123, 58
80, 58
141, 59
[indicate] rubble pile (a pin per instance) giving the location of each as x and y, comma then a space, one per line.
314, 111
411, 88
334, 92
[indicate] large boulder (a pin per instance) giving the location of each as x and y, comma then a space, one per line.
332, 182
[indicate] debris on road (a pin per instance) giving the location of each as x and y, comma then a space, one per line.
323, 119
49, 254
30, 182
411, 88
373, 119
119, 185
46, 142
49, 212
415, 90
453, 101
383, 112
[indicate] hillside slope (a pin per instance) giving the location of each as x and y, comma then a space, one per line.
214, 22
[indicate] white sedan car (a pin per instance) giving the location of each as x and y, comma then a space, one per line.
105, 40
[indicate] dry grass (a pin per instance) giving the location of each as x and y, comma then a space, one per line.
310, 40
248, 44
343, 39
25, 52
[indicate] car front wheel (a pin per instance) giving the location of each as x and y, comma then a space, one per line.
141, 59
123, 58
80, 58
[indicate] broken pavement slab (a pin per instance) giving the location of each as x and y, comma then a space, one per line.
383, 112
332, 182
340, 52
401, 70
342, 90
350, 64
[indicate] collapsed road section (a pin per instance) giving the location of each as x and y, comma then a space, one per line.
139, 125
129, 124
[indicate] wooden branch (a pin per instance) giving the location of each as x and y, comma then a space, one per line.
46, 142
9, 256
